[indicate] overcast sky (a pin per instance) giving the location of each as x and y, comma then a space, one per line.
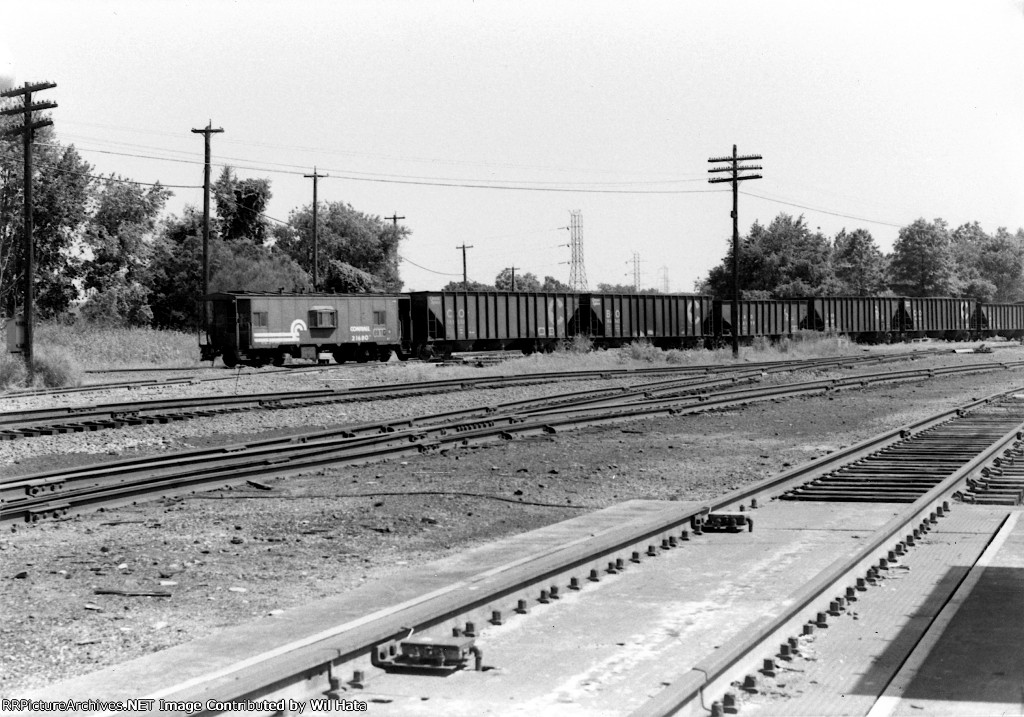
867, 114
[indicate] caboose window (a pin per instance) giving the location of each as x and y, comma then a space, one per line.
380, 317
322, 319
259, 319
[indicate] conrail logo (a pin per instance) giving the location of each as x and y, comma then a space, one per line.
276, 338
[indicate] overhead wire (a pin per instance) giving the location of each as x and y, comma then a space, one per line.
818, 209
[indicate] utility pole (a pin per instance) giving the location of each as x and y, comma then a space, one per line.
465, 277
577, 272
394, 225
27, 132
316, 230
734, 168
206, 132
513, 270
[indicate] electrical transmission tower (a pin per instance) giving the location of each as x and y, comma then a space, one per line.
664, 279
577, 272
636, 271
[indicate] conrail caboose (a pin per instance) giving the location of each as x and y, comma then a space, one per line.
258, 328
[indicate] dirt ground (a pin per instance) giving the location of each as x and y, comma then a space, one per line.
224, 557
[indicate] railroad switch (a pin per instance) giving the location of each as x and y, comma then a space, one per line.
430, 654
731, 521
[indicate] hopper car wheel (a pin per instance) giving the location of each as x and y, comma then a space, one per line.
384, 355
230, 358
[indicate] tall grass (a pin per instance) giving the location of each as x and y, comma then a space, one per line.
96, 347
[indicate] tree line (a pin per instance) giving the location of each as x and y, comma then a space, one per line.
104, 250
786, 259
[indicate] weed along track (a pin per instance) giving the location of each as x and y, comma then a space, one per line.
646, 607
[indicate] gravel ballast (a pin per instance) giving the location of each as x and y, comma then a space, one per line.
104, 587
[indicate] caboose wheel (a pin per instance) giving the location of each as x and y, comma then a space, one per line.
230, 358
279, 359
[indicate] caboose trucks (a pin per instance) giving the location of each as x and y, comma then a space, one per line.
256, 329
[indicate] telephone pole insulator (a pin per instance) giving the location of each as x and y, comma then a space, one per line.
734, 168
27, 131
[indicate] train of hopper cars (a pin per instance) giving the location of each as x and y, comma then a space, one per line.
255, 328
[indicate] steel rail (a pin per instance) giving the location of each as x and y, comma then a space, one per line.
317, 659
55, 494
566, 375
743, 654
51, 421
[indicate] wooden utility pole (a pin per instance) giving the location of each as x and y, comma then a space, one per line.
513, 270
27, 132
206, 132
735, 169
394, 224
465, 278
316, 230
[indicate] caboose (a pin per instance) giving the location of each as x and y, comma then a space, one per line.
258, 328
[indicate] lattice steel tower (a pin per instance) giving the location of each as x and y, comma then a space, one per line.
636, 271
577, 272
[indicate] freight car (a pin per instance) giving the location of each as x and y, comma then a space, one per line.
1006, 320
443, 322
870, 319
768, 318
261, 328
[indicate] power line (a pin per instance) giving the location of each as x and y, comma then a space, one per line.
118, 180
823, 211
430, 181
442, 273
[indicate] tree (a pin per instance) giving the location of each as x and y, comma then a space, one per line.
118, 236
365, 242
175, 273
554, 286
859, 266
344, 278
785, 259
922, 262
469, 286
60, 209
616, 288
240, 205
175, 270
988, 268
524, 282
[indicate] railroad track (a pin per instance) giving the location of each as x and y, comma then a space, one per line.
725, 598
76, 419
53, 495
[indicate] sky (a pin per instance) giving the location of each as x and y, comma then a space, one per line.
485, 123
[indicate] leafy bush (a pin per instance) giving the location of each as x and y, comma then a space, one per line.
578, 344
55, 369
644, 351
12, 371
